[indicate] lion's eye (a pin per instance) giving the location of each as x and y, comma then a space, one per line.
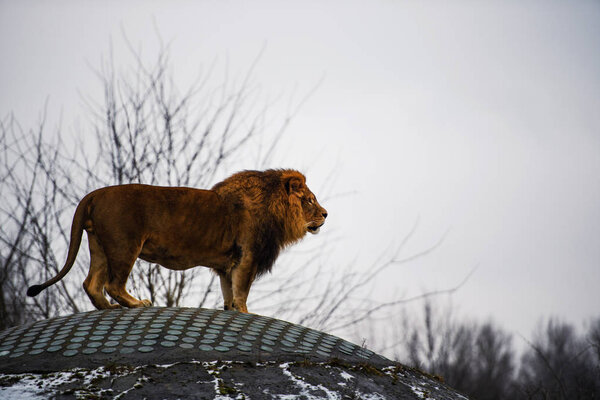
309, 201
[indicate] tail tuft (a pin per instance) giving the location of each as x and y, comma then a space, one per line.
34, 290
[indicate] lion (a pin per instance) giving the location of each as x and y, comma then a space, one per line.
237, 229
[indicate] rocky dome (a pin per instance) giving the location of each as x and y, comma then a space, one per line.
196, 353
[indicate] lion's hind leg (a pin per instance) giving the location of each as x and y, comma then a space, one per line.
119, 267
97, 276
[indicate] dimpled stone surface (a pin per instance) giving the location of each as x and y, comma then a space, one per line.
142, 336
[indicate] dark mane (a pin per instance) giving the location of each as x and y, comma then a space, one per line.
266, 247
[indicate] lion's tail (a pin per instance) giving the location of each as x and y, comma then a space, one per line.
76, 233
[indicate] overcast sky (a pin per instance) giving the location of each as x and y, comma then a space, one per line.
480, 119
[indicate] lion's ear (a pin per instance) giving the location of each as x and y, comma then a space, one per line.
293, 185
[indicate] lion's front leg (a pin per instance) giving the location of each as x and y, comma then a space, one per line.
241, 279
226, 290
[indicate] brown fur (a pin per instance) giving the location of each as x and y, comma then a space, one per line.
237, 228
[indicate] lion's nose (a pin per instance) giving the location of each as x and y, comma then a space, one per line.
324, 214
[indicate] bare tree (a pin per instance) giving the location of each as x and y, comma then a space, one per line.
493, 365
442, 346
149, 132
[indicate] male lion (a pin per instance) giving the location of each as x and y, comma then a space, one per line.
237, 228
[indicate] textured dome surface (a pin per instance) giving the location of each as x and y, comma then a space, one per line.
198, 353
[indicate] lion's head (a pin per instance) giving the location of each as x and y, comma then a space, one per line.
312, 213
282, 206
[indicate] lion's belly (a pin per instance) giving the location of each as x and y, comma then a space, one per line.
178, 258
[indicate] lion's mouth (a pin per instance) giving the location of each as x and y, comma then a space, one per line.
315, 228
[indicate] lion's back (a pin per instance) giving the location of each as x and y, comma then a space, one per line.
142, 208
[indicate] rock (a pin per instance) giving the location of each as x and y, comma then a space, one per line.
196, 353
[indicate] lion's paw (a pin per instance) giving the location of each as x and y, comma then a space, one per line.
146, 303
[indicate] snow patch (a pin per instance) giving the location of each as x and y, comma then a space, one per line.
305, 387
214, 371
346, 376
422, 389
25, 389
419, 392
371, 396
37, 386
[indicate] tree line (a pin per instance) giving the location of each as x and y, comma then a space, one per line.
480, 358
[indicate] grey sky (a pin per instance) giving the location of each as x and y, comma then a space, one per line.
481, 118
